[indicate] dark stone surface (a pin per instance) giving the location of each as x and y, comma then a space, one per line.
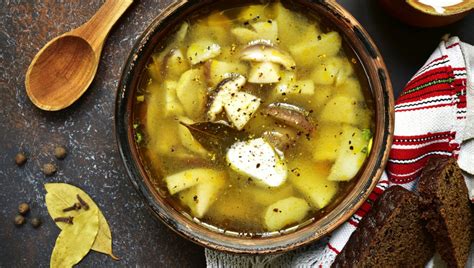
87, 130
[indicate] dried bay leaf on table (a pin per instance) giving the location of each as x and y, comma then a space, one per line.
75, 240
63, 195
103, 241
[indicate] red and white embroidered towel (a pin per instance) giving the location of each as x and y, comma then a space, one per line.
434, 116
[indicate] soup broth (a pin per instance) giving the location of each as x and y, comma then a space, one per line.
253, 119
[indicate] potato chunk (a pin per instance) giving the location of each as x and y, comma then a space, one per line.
310, 179
351, 155
345, 71
244, 35
154, 68
218, 70
231, 207
292, 28
188, 178
264, 73
182, 32
266, 197
254, 13
351, 87
201, 197
267, 30
326, 142
346, 109
285, 212
340, 109
175, 64
218, 19
289, 86
202, 51
160, 137
192, 93
321, 96
158, 66
331, 71
154, 108
308, 54
214, 33
172, 105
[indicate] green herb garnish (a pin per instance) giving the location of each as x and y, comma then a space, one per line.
141, 98
366, 134
138, 137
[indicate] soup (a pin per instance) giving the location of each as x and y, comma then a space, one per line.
253, 119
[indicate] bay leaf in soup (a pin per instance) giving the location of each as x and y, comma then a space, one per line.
63, 195
75, 240
214, 136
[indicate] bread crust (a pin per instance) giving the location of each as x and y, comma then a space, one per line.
446, 209
369, 245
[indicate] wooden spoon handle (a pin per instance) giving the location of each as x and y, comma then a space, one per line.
96, 29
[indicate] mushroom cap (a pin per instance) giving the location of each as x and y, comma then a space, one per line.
265, 51
233, 82
291, 115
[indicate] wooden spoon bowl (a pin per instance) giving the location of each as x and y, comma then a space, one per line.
52, 81
65, 67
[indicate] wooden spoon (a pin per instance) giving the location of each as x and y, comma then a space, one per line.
65, 67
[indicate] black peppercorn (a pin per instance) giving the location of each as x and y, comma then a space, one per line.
49, 169
20, 159
60, 152
35, 222
19, 220
23, 208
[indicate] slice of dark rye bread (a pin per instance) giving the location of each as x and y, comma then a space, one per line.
390, 235
446, 209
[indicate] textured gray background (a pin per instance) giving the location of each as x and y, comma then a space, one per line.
87, 128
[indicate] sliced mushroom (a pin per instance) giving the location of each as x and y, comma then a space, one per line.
290, 115
267, 60
263, 50
232, 84
240, 108
280, 138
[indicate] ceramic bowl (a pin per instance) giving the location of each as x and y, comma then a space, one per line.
357, 42
427, 14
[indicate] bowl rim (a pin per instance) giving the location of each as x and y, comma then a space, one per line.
383, 101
